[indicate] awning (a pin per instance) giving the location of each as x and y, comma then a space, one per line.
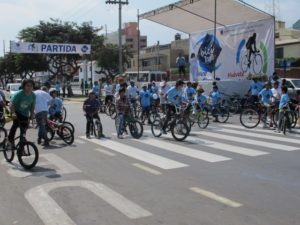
192, 16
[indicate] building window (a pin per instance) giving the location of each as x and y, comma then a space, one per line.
279, 53
129, 40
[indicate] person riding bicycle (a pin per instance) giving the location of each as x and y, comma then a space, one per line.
265, 96
215, 99
164, 87
189, 92
284, 103
251, 47
253, 91
199, 100
56, 108
123, 108
91, 107
96, 89
108, 92
22, 109
173, 95
276, 91
133, 92
145, 101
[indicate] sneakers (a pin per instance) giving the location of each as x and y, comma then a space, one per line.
39, 141
277, 131
120, 136
88, 136
265, 126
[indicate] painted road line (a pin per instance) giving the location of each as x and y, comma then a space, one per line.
247, 141
52, 214
78, 141
105, 152
147, 169
216, 197
197, 154
264, 136
156, 160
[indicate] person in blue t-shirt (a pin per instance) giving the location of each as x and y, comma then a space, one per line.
91, 108
173, 95
199, 100
284, 103
189, 92
56, 108
145, 101
254, 90
96, 89
215, 96
265, 96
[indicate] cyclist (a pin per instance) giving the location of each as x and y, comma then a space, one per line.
199, 100
189, 93
173, 95
265, 96
145, 100
123, 107
253, 90
56, 108
2, 107
251, 47
133, 92
276, 91
164, 87
154, 88
22, 108
108, 92
96, 89
284, 100
91, 107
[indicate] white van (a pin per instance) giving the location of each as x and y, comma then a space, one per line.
11, 89
145, 77
293, 85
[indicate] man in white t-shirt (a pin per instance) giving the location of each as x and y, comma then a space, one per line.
164, 87
276, 91
132, 92
108, 92
43, 100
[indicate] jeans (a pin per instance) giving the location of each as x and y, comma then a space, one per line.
41, 119
89, 120
22, 122
121, 123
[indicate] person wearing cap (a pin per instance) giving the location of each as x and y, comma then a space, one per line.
133, 92
55, 109
215, 99
123, 108
91, 107
154, 88
173, 95
265, 96
121, 84
189, 92
42, 102
164, 87
108, 92
145, 101
199, 100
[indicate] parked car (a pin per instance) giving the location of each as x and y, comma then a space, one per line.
293, 85
11, 89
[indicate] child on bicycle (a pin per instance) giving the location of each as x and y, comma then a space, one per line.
215, 99
265, 96
199, 100
123, 108
56, 107
145, 101
284, 101
91, 107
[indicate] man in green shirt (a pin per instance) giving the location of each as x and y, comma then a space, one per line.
22, 109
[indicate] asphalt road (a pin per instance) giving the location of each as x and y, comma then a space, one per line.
223, 175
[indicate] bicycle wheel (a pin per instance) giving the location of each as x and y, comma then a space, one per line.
3, 135
244, 63
233, 106
156, 128
257, 63
180, 130
136, 129
284, 124
223, 114
249, 118
28, 155
63, 113
50, 133
112, 111
293, 118
98, 129
70, 125
203, 120
8, 153
66, 135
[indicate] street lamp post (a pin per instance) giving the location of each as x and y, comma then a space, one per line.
120, 2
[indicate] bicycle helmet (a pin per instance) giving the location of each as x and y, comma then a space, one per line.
52, 90
200, 90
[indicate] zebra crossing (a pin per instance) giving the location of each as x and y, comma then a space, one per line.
213, 145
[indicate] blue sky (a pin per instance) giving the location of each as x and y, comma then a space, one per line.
18, 14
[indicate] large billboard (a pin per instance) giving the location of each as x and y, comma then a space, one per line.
49, 48
236, 52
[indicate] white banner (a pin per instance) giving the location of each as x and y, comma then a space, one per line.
236, 52
49, 48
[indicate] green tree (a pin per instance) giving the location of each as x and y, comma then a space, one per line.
8, 68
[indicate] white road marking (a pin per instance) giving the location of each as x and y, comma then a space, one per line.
105, 152
63, 167
264, 136
79, 141
205, 156
156, 160
247, 141
52, 214
216, 197
147, 169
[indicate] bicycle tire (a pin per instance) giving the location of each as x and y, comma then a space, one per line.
156, 126
234, 106
180, 127
23, 151
223, 114
7, 153
70, 125
203, 120
3, 136
112, 111
284, 124
49, 133
66, 135
136, 129
98, 129
63, 114
249, 118
257, 63
244, 63
293, 118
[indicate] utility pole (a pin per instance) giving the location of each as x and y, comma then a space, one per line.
120, 2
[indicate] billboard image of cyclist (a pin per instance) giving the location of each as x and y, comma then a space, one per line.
251, 47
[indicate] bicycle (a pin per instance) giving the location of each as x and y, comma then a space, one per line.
255, 60
63, 131
135, 127
200, 116
27, 152
177, 125
96, 128
219, 111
